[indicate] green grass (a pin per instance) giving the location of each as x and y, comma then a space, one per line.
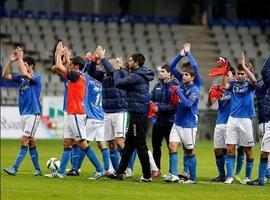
25, 186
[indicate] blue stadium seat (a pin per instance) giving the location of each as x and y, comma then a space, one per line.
56, 16
16, 14
29, 14
42, 15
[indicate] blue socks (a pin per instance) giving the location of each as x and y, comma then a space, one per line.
262, 169
132, 160
93, 158
80, 159
106, 158
64, 160
220, 161
34, 157
174, 163
114, 156
240, 161
185, 161
20, 157
192, 166
230, 162
75, 156
249, 166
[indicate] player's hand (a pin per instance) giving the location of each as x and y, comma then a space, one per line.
187, 48
59, 48
100, 52
53, 69
118, 63
19, 52
182, 52
250, 67
88, 56
243, 59
13, 57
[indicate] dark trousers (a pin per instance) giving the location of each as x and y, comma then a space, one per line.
158, 133
136, 139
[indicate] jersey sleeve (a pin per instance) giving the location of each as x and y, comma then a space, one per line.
17, 78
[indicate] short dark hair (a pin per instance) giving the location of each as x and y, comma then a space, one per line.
186, 65
240, 67
138, 57
166, 67
190, 71
78, 60
30, 61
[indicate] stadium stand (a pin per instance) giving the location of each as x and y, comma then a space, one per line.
158, 38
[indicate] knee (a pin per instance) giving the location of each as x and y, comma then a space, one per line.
111, 145
25, 141
191, 152
172, 147
230, 149
32, 142
67, 143
248, 152
219, 151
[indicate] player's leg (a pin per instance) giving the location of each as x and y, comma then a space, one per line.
188, 136
34, 156
24, 146
239, 163
220, 151
157, 143
231, 142
105, 154
173, 155
247, 141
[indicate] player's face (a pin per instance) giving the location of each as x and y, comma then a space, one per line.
131, 63
163, 74
241, 76
187, 78
28, 67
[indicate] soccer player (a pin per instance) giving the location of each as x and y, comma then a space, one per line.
138, 98
114, 105
185, 127
198, 81
29, 106
239, 127
165, 112
224, 104
263, 101
75, 122
95, 119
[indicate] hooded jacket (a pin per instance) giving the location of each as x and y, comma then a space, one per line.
137, 89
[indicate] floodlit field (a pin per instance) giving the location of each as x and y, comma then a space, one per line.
26, 186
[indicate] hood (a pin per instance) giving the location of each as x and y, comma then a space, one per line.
148, 74
266, 71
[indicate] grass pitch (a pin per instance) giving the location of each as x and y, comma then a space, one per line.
25, 186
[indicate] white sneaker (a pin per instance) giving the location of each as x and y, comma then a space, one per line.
171, 178
128, 173
97, 175
54, 175
245, 180
187, 182
229, 180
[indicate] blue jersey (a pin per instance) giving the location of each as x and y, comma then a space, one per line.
29, 94
187, 109
93, 99
224, 106
242, 105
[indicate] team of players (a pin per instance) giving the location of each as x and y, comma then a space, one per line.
102, 93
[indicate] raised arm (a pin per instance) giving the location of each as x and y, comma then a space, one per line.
22, 67
6, 71
194, 64
100, 52
250, 75
58, 62
173, 69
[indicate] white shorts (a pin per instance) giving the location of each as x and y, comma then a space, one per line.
240, 131
186, 136
94, 130
265, 147
115, 125
220, 136
74, 126
264, 128
30, 124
